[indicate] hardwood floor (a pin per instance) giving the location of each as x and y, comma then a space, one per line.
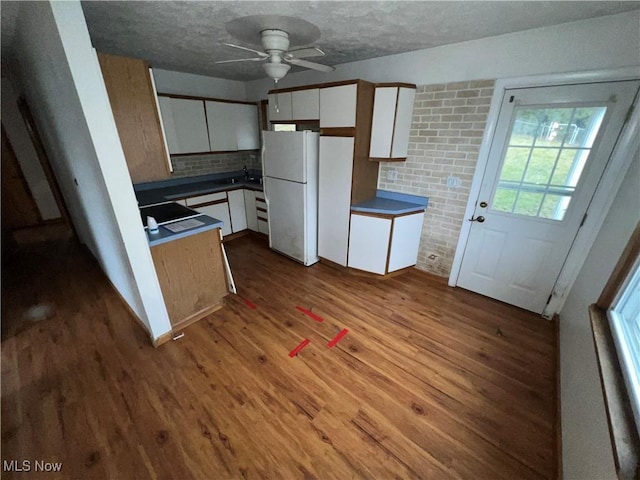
430, 382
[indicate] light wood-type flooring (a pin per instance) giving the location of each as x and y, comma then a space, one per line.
430, 382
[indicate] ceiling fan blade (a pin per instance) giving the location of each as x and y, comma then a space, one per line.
262, 54
310, 65
254, 59
305, 53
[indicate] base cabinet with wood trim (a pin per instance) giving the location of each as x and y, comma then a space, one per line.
383, 244
133, 102
237, 210
250, 209
192, 278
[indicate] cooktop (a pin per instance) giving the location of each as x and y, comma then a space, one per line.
166, 212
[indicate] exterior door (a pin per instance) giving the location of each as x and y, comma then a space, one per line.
549, 150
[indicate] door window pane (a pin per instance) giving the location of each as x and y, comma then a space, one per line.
541, 165
547, 152
528, 203
515, 162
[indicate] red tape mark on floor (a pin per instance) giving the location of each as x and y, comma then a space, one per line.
296, 350
309, 313
249, 304
337, 338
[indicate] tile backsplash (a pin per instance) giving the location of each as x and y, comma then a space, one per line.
194, 165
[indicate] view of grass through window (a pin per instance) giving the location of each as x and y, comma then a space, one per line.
546, 154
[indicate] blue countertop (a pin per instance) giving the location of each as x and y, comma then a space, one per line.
176, 188
392, 203
165, 235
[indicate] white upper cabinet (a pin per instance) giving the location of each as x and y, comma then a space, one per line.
338, 106
185, 125
247, 127
305, 104
222, 123
392, 110
232, 126
280, 107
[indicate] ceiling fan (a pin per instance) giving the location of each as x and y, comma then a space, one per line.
277, 55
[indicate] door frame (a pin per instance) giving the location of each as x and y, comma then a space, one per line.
627, 145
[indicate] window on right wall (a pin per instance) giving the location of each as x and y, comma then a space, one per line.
615, 320
624, 320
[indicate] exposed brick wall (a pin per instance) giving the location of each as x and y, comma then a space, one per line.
446, 131
193, 165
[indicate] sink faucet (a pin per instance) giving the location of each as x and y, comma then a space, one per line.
246, 173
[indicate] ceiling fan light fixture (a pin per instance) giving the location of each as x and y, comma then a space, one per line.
276, 70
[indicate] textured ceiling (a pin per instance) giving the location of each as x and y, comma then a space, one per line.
186, 36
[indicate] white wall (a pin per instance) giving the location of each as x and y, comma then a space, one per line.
26, 155
604, 42
63, 84
587, 453
168, 81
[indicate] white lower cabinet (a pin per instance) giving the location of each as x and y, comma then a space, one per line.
405, 241
384, 244
250, 208
219, 211
369, 243
237, 210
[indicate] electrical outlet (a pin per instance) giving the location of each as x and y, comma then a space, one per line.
392, 175
453, 182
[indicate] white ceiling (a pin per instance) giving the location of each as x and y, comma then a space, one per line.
186, 36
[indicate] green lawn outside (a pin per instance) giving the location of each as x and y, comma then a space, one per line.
539, 171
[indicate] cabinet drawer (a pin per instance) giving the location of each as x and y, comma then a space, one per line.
210, 197
263, 226
259, 195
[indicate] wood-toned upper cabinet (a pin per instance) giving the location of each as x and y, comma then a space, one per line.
133, 102
280, 107
185, 125
338, 106
390, 128
305, 104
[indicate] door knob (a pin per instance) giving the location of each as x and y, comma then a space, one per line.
479, 219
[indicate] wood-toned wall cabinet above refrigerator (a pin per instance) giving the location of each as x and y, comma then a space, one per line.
392, 111
133, 101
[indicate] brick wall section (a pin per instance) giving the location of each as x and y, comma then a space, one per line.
193, 165
447, 128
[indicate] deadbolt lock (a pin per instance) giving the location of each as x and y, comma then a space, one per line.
483, 204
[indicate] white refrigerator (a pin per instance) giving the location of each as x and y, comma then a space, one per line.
290, 180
